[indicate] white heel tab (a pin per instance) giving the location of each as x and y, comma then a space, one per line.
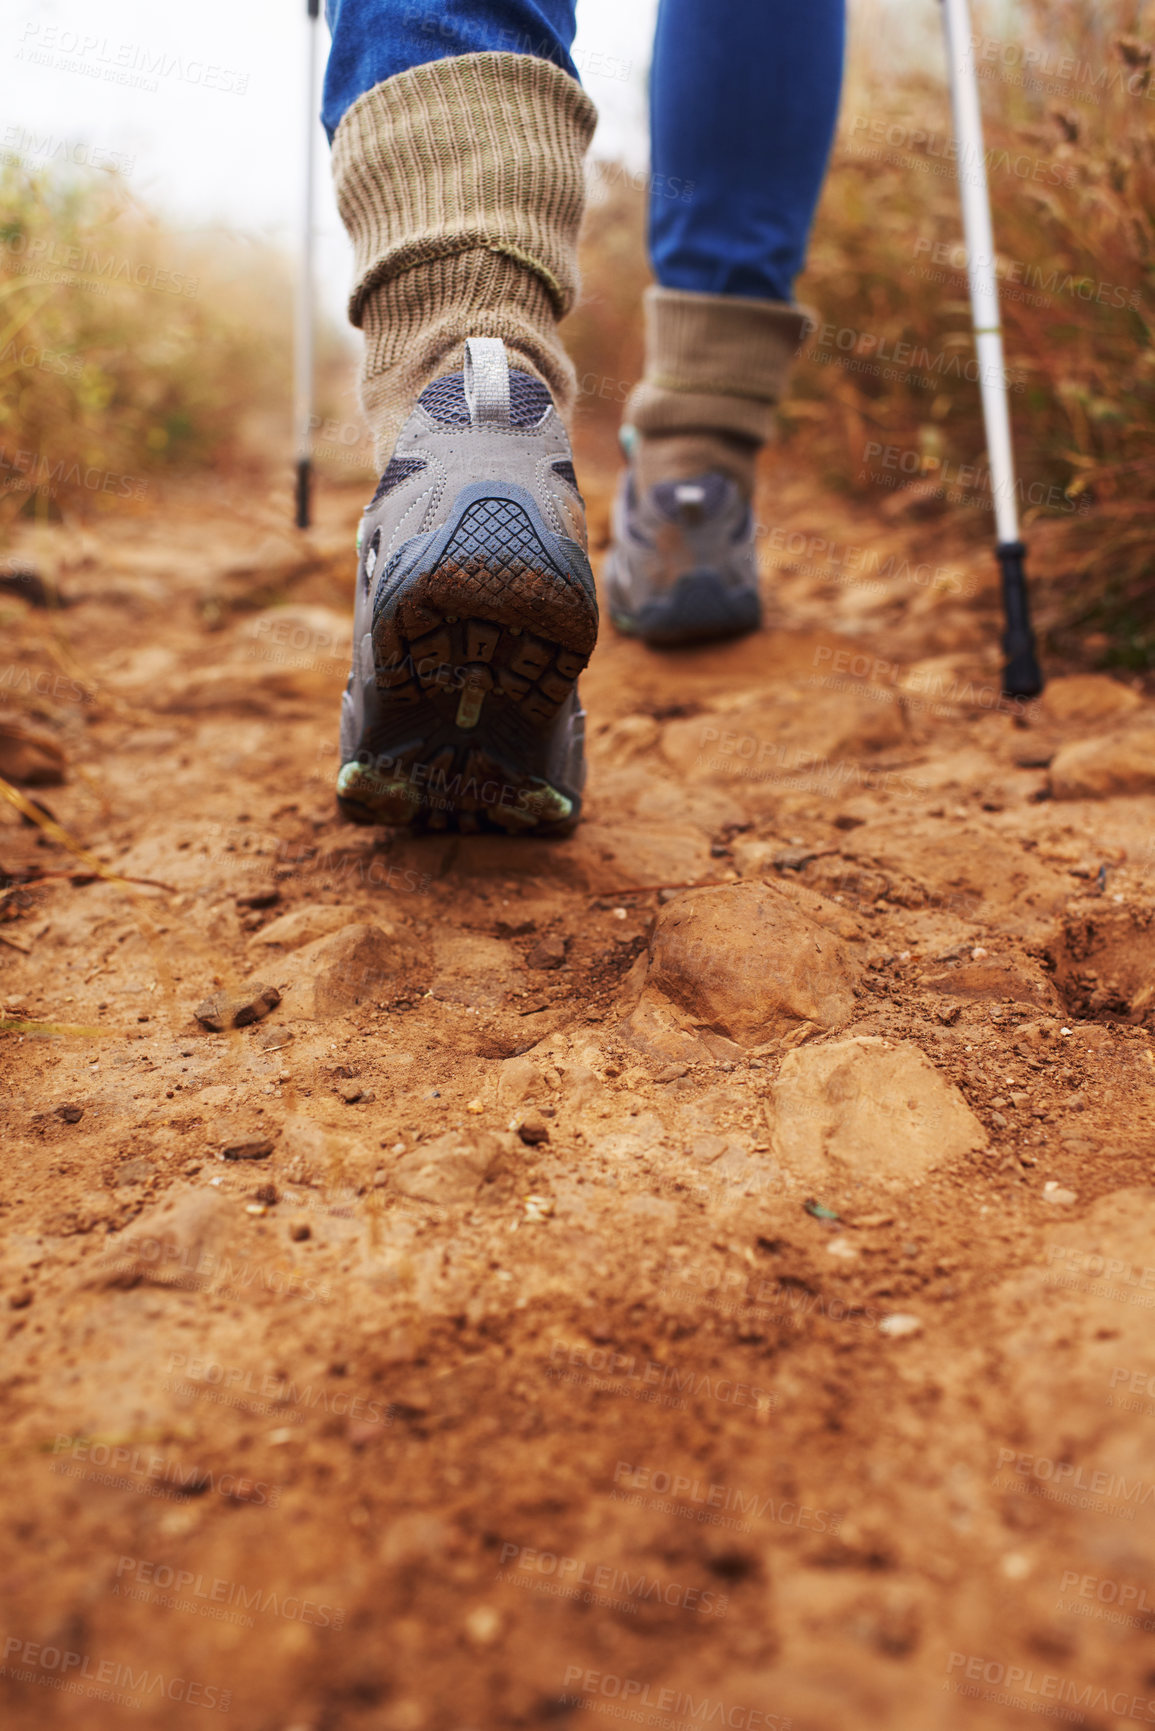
487, 382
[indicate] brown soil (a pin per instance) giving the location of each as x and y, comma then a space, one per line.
589, 1346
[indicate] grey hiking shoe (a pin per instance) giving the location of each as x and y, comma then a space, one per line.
681, 568
475, 614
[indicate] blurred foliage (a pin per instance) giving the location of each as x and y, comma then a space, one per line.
126, 351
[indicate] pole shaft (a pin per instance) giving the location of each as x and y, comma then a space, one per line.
980, 245
303, 355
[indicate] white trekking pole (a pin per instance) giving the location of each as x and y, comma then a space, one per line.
1021, 674
303, 344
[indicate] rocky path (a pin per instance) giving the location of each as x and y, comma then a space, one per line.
697, 1273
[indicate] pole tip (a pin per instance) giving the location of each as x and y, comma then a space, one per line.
1022, 675
304, 493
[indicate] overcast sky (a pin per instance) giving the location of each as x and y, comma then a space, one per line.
219, 138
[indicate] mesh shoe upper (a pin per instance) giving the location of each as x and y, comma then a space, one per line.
682, 566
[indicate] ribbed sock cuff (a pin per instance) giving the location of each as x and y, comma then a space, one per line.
683, 456
714, 363
415, 327
460, 183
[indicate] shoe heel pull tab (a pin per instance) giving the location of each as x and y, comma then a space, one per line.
486, 382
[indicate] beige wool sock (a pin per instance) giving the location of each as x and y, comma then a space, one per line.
716, 365
460, 184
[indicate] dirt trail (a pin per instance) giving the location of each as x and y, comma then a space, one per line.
726, 1306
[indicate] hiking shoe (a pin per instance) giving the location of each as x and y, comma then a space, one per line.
681, 568
475, 614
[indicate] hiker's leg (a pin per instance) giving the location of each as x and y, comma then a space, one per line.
744, 98
459, 133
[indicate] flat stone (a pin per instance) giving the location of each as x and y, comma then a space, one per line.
452, 1168
517, 1079
659, 1030
245, 1144
995, 980
238, 1009
1119, 762
476, 971
135, 1171
548, 952
305, 925
747, 962
175, 1245
868, 1108
1087, 697
274, 1038
360, 964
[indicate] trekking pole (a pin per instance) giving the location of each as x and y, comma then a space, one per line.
1021, 674
303, 344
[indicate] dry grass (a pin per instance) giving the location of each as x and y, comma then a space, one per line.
125, 351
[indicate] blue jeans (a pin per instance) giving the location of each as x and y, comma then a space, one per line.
743, 102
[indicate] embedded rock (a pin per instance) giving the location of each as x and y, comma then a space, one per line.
868, 1108
1120, 762
745, 961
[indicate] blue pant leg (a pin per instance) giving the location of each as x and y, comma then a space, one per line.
743, 103
373, 39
